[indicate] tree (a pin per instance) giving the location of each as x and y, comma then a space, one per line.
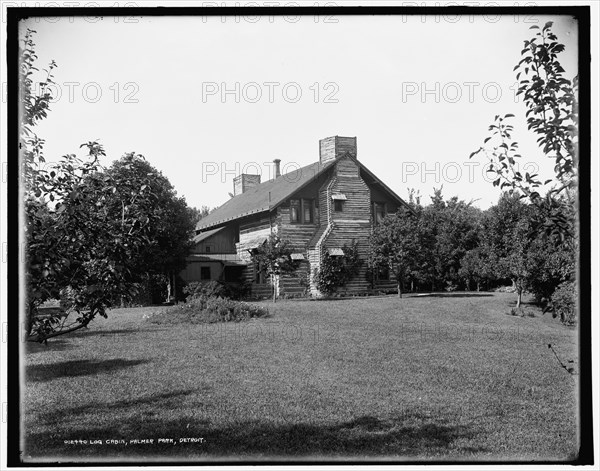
198, 214
172, 222
35, 108
553, 258
274, 256
516, 265
477, 265
508, 233
454, 226
552, 263
88, 231
75, 245
395, 244
552, 114
446, 230
101, 234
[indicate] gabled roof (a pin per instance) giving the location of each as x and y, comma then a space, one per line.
263, 197
270, 194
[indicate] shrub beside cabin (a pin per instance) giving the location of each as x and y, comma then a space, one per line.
317, 208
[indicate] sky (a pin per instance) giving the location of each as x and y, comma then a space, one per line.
204, 99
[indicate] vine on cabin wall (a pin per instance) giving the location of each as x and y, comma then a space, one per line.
336, 271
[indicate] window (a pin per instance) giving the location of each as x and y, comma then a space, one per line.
307, 211
295, 211
207, 249
379, 211
383, 273
259, 273
204, 273
338, 201
301, 211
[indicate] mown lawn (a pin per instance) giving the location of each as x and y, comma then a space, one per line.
420, 378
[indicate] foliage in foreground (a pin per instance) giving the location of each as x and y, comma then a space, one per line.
216, 289
208, 310
274, 258
564, 303
553, 115
94, 235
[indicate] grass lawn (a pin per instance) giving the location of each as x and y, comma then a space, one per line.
420, 378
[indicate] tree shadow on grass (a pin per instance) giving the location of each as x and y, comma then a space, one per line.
451, 295
62, 343
155, 402
365, 436
47, 372
407, 437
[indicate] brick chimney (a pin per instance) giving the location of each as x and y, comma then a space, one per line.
277, 163
244, 182
334, 147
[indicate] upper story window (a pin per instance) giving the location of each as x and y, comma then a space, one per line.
379, 212
207, 249
307, 211
294, 211
338, 201
302, 211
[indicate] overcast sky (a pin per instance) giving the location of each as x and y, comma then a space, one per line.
418, 92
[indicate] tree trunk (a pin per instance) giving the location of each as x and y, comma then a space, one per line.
175, 287
412, 286
274, 288
399, 289
44, 338
478, 286
519, 294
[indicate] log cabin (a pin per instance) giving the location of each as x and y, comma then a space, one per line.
318, 209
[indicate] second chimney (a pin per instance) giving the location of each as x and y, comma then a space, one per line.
277, 163
244, 182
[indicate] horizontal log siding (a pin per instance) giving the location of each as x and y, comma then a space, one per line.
315, 252
249, 232
351, 224
385, 285
354, 222
296, 284
298, 236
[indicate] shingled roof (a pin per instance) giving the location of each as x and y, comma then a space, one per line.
263, 197
270, 194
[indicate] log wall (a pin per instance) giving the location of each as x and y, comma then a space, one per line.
250, 231
352, 224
